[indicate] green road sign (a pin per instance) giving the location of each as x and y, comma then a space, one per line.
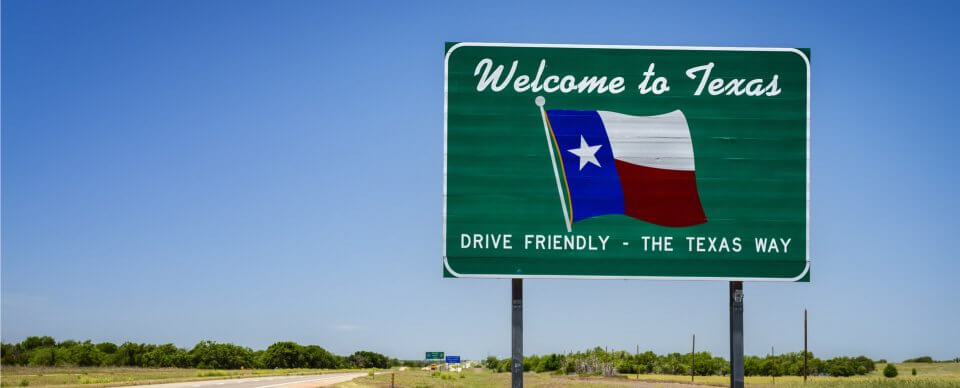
570, 161
434, 356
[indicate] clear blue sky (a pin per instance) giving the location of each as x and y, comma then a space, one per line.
259, 171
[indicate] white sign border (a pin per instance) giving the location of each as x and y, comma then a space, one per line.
446, 62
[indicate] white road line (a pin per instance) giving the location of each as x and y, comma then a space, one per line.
297, 382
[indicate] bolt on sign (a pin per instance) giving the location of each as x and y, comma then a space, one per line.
577, 161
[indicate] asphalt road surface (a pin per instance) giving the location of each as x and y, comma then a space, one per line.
267, 382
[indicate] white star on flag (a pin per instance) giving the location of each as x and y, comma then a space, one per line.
586, 152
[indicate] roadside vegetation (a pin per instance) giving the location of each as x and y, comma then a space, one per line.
46, 352
600, 362
930, 375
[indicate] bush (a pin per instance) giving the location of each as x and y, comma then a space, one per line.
318, 357
48, 356
365, 359
913, 371
45, 351
505, 365
846, 366
86, 354
926, 359
166, 356
549, 363
13, 354
529, 363
491, 363
107, 347
38, 342
627, 366
283, 355
890, 371
211, 355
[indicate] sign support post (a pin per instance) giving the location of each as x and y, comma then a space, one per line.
517, 335
736, 334
805, 345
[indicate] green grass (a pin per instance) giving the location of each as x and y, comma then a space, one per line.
928, 376
474, 378
64, 377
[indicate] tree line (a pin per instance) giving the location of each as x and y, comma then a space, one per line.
598, 361
45, 351
930, 360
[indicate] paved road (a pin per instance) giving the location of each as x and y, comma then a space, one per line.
266, 382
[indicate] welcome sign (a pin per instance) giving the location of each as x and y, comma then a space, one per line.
626, 162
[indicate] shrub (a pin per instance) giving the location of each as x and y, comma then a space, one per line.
927, 359
47, 356
212, 355
86, 354
318, 357
283, 355
529, 363
913, 371
365, 359
890, 371
14, 354
491, 363
549, 363
505, 365
107, 347
626, 366
38, 342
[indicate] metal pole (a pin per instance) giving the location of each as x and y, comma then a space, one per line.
517, 338
693, 357
736, 334
804, 345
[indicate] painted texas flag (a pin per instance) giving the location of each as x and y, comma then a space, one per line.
639, 166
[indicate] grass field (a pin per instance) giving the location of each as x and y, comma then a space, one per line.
928, 376
480, 378
12, 376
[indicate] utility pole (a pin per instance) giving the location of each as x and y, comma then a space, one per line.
773, 371
693, 357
